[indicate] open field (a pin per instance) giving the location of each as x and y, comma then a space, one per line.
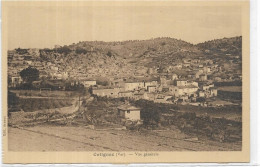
166, 127
38, 104
69, 138
233, 113
30, 101
34, 104
230, 88
44, 93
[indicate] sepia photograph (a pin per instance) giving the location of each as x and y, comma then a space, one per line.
120, 79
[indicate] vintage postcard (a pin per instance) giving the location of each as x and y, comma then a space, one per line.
125, 81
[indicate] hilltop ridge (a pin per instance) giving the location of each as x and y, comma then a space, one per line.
97, 59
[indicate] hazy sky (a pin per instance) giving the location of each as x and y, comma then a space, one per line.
40, 27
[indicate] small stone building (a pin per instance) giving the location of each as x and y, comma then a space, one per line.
129, 112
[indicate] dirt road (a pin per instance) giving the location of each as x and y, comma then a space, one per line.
54, 138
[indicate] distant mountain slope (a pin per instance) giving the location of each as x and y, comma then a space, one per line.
90, 62
135, 48
222, 46
148, 53
145, 53
130, 58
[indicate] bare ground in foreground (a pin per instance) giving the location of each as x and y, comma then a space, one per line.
71, 138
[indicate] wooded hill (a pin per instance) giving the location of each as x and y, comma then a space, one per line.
135, 56
222, 46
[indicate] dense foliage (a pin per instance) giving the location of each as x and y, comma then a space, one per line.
29, 74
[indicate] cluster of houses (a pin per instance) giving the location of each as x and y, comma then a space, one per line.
57, 69
162, 90
217, 69
161, 87
159, 84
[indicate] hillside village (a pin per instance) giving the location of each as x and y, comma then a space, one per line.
165, 70
159, 87
125, 81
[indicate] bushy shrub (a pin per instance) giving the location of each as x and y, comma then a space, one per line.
21, 51
64, 50
81, 50
109, 54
